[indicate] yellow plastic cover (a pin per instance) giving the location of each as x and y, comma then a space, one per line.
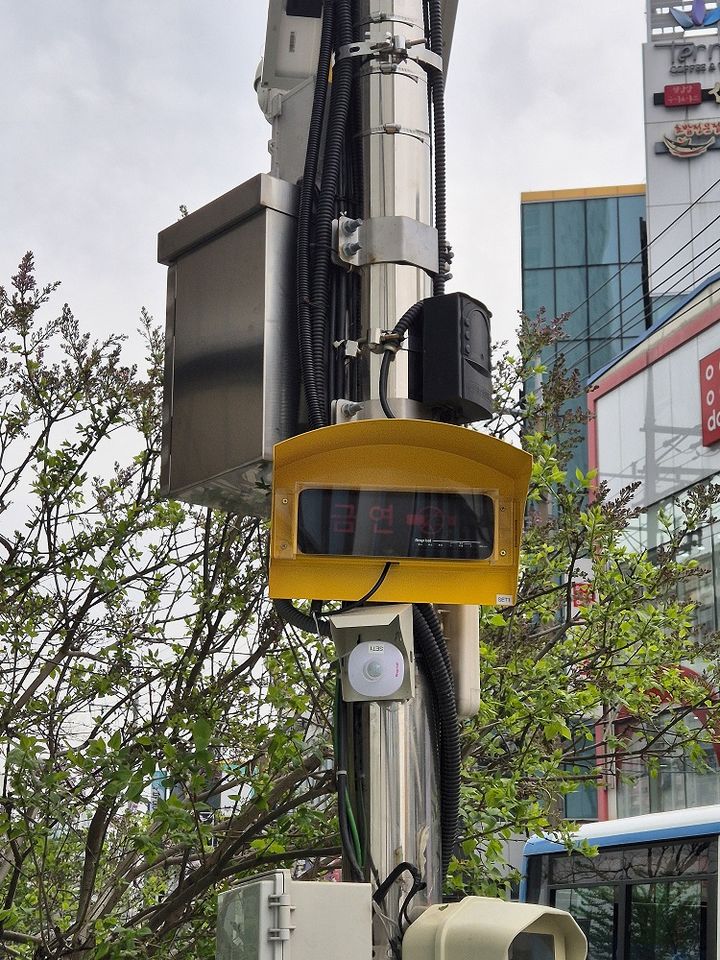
386, 459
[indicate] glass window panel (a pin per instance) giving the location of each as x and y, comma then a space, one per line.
582, 803
593, 909
575, 353
651, 861
601, 352
633, 301
539, 291
537, 234
602, 230
569, 233
715, 528
703, 784
604, 303
668, 921
700, 589
669, 784
632, 209
662, 305
571, 294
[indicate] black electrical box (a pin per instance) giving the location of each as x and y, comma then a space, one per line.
456, 376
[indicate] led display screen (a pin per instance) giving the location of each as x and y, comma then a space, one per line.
396, 523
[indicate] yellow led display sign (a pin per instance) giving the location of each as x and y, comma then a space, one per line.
442, 505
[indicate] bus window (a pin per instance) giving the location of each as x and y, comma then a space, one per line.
668, 921
593, 909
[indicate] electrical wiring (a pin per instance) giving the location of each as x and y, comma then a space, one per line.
332, 168
349, 836
601, 346
392, 345
317, 624
418, 884
649, 244
305, 219
437, 96
691, 262
434, 662
328, 312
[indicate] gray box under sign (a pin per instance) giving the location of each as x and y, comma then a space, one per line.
231, 370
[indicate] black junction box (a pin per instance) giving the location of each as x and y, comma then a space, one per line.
456, 357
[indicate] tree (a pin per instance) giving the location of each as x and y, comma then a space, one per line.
550, 676
139, 647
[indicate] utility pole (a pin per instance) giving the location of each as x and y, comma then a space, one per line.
387, 514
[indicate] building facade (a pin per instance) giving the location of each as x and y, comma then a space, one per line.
655, 421
637, 271
582, 257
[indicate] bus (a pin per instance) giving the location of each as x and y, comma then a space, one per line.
647, 890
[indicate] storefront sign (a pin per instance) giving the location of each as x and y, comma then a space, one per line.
710, 398
692, 138
686, 58
682, 94
697, 16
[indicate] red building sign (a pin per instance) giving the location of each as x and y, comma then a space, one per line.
710, 398
682, 94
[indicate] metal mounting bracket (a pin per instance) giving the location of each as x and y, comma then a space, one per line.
397, 47
387, 240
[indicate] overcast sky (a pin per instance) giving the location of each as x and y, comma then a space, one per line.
115, 112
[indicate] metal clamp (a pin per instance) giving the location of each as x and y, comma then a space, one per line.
387, 240
396, 129
393, 46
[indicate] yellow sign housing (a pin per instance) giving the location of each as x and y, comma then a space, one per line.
441, 507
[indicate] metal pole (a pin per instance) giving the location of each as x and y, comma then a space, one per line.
399, 756
397, 178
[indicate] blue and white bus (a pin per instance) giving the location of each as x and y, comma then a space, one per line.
650, 893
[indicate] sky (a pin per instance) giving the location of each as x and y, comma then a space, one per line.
113, 113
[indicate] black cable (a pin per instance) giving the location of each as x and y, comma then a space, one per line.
342, 786
374, 589
305, 225
384, 887
397, 334
434, 664
437, 89
333, 158
418, 884
649, 244
414, 890
316, 624
433, 622
692, 262
601, 346
290, 614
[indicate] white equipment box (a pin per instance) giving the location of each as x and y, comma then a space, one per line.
273, 917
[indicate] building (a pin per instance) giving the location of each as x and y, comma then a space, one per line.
681, 70
582, 256
638, 272
656, 421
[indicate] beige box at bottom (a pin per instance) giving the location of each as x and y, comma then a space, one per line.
273, 917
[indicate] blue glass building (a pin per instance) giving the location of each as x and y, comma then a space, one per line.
582, 255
